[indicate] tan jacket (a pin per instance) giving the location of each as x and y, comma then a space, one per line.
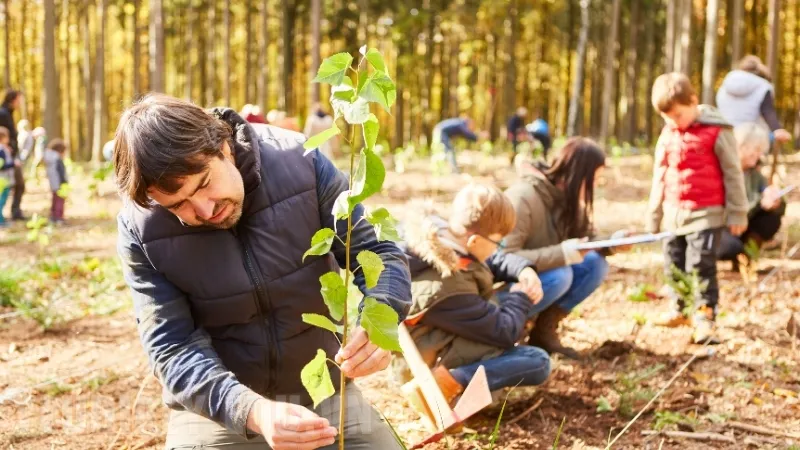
661, 215
536, 236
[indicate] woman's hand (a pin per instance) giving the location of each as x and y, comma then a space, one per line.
782, 135
770, 198
623, 234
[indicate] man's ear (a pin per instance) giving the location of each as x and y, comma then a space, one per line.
228, 152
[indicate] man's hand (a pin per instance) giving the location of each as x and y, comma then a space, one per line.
782, 135
530, 284
737, 230
360, 357
287, 426
770, 199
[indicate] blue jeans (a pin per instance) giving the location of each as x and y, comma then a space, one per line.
568, 286
523, 365
3, 200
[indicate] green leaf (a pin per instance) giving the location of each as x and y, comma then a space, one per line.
385, 225
316, 378
603, 405
333, 69
321, 243
380, 322
346, 103
341, 207
321, 138
378, 88
376, 60
368, 179
319, 321
371, 265
334, 294
3, 184
371, 128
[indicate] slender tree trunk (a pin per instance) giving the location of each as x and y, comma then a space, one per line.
88, 83
249, 53
189, 62
21, 62
631, 75
137, 51
773, 19
211, 54
653, 47
263, 83
737, 29
710, 51
226, 57
453, 68
6, 37
289, 9
99, 89
509, 93
609, 78
316, 21
66, 69
156, 44
51, 102
580, 63
669, 43
682, 57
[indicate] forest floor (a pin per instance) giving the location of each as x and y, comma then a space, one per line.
84, 382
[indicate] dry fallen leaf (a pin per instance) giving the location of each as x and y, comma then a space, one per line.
785, 393
757, 401
701, 378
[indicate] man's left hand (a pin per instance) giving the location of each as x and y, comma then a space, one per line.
360, 357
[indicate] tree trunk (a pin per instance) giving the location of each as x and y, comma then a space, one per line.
773, 19
671, 28
509, 93
580, 63
631, 75
682, 60
316, 21
737, 29
453, 68
710, 51
248, 53
287, 26
653, 47
66, 69
99, 88
263, 79
226, 57
6, 34
88, 116
137, 52
21, 69
51, 84
190, 19
608, 81
156, 44
211, 55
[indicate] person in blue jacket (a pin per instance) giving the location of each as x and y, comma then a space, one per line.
446, 130
540, 130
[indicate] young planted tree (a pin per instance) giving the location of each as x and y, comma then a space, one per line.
350, 99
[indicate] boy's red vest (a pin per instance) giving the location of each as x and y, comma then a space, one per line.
693, 179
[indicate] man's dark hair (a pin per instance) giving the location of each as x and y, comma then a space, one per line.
11, 95
161, 140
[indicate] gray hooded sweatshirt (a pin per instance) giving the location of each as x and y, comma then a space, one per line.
56, 172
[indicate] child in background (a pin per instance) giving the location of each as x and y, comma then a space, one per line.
698, 189
7, 164
57, 176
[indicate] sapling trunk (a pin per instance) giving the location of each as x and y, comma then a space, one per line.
343, 379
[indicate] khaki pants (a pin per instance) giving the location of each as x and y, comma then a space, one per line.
364, 428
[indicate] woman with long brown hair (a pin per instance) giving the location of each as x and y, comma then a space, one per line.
554, 212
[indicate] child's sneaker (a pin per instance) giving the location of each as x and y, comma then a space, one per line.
704, 328
674, 319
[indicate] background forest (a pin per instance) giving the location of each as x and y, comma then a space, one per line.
584, 65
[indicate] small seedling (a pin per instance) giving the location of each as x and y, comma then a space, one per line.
603, 405
688, 287
643, 293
